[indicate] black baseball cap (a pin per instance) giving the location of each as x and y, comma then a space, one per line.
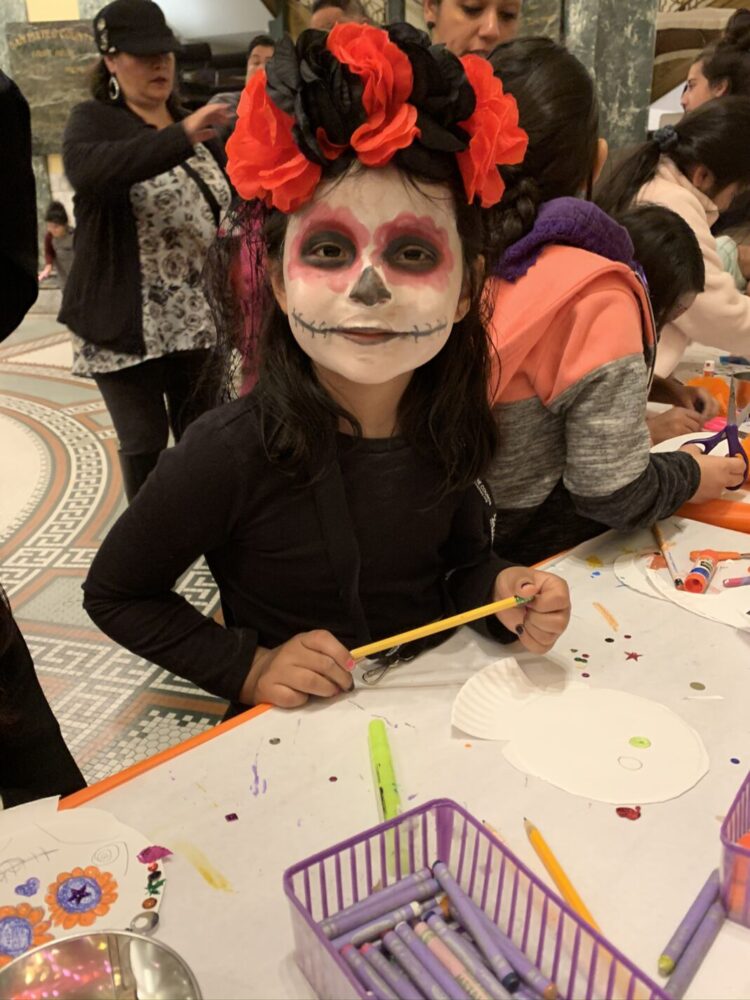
134, 26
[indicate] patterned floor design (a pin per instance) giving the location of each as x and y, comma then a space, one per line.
59, 492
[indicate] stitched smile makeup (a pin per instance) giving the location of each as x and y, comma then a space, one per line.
373, 271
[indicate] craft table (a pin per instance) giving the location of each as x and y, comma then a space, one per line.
299, 781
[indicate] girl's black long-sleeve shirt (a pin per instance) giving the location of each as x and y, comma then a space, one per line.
366, 551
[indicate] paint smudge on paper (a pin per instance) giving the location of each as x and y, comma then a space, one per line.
627, 637
629, 812
657, 562
28, 888
594, 562
642, 742
259, 785
596, 573
410, 798
734, 760
585, 675
153, 853
633, 656
333, 778
274, 741
210, 875
609, 639
580, 659
607, 616
231, 817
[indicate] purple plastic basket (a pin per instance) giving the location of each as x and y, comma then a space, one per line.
582, 963
735, 860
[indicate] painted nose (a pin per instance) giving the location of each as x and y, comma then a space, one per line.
369, 289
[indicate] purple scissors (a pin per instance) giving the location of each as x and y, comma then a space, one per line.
730, 434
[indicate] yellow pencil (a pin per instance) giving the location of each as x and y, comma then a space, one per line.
561, 880
439, 626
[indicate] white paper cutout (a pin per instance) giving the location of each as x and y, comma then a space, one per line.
488, 705
609, 746
106, 888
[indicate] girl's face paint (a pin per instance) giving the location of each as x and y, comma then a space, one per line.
373, 275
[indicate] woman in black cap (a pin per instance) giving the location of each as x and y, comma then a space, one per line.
150, 190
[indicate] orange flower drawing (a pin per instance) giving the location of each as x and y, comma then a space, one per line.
21, 928
80, 896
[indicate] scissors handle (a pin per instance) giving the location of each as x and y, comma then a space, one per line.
735, 450
708, 444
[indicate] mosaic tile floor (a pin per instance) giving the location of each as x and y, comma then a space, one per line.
59, 492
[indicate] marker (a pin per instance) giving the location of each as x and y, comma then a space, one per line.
368, 977
667, 556
696, 951
689, 924
736, 581
470, 917
415, 888
384, 775
392, 974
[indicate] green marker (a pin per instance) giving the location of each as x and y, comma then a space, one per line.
384, 776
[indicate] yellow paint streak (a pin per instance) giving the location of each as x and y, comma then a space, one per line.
594, 562
607, 616
203, 866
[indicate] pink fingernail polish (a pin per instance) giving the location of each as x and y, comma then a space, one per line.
351, 664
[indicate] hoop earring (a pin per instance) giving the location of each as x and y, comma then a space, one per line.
113, 88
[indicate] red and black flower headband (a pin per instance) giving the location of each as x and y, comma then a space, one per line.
375, 95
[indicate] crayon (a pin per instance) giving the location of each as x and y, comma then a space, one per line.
468, 955
413, 888
421, 978
695, 952
689, 924
433, 965
736, 581
446, 957
372, 931
391, 973
469, 917
531, 975
367, 975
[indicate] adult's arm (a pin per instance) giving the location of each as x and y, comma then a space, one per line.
186, 508
107, 149
18, 226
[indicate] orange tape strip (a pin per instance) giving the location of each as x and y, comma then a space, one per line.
721, 513
115, 780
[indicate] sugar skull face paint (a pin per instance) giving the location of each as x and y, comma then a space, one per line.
373, 275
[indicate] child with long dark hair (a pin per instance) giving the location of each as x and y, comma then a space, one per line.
339, 501
573, 327
696, 168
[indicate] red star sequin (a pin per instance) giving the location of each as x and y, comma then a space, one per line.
633, 656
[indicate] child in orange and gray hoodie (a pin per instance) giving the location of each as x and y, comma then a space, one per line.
575, 335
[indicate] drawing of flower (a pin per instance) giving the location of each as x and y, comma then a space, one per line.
80, 896
21, 928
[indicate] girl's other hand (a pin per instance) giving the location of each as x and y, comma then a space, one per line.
539, 624
673, 423
716, 474
311, 663
200, 125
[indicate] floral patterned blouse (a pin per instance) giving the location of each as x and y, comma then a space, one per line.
176, 226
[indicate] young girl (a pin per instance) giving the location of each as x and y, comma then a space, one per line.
695, 168
573, 327
338, 502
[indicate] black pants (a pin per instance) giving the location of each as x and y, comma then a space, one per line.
148, 399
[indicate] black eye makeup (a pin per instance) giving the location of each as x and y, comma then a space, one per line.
412, 253
328, 249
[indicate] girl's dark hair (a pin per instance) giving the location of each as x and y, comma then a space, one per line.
712, 136
669, 253
729, 58
56, 213
99, 89
445, 411
559, 110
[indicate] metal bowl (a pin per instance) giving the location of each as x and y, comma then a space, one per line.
108, 965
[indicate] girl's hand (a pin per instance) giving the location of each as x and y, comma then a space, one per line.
45, 272
311, 663
673, 423
539, 624
716, 474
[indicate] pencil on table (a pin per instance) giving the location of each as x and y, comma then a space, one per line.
558, 876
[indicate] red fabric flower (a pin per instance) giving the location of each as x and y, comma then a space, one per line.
388, 80
495, 137
264, 161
